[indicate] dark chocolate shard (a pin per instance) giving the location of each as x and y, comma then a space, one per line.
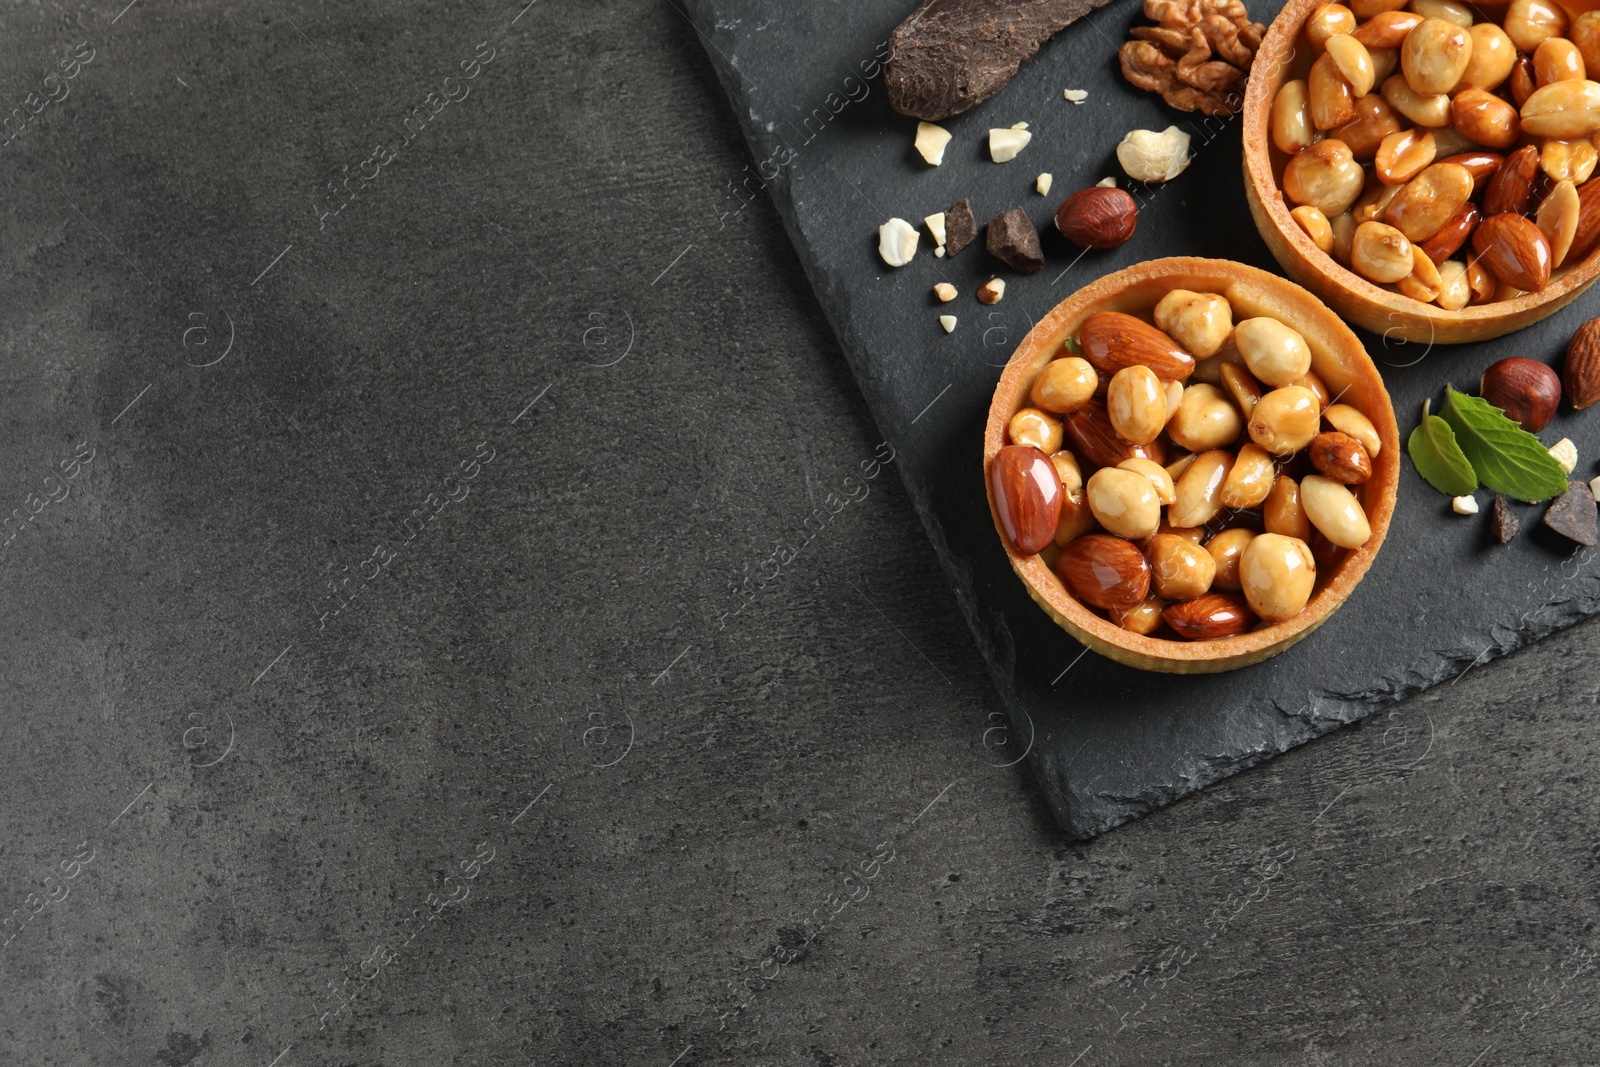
1506, 523
960, 227
1012, 239
952, 55
1573, 515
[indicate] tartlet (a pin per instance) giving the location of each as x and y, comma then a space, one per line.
1282, 57
1337, 357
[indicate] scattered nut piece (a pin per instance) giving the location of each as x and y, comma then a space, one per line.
935, 225
1043, 183
1148, 156
1506, 523
1464, 505
1077, 96
1566, 454
945, 292
1107, 182
1019, 125
1005, 144
1573, 516
897, 242
939, 252
931, 142
948, 322
991, 291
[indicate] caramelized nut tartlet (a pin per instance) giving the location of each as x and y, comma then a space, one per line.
1425, 167
1190, 464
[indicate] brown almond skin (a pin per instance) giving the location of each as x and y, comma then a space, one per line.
1375, 119
1583, 240
1511, 188
1098, 217
1523, 79
1340, 457
1112, 340
1481, 165
1210, 616
1529, 392
1444, 244
1104, 571
1581, 371
1514, 250
1097, 444
1027, 496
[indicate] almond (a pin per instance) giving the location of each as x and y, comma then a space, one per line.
1105, 571
1341, 457
1210, 616
1514, 250
1112, 340
1027, 497
1580, 374
1097, 217
1512, 185
1588, 230
1099, 445
1444, 244
1481, 165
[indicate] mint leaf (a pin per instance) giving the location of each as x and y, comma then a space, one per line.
1439, 458
1072, 345
1507, 458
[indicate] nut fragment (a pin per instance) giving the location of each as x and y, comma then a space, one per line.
948, 322
991, 291
1566, 454
1464, 505
931, 142
1346, 419
1043, 182
1315, 224
1077, 96
897, 242
1004, 144
935, 225
945, 292
1557, 219
1148, 156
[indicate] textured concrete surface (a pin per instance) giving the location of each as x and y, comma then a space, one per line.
542, 791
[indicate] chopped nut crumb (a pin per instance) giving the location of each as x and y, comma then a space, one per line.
1019, 125
935, 224
1464, 505
1149, 156
948, 322
939, 252
897, 242
1077, 96
1566, 454
1594, 487
1005, 144
931, 142
1043, 183
945, 291
1107, 182
991, 291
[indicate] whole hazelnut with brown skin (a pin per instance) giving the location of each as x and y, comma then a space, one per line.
1528, 391
1098, 217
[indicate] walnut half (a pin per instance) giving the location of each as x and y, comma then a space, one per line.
1196, 56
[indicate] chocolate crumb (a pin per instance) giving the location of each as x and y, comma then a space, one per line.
1573, 515
960, 228
1013, 240
1506, 524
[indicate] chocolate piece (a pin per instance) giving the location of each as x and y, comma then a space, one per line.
1506, 524
951, 55
960, 228
1573, 516
1012, 239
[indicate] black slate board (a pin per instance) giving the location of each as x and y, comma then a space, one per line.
1108, 743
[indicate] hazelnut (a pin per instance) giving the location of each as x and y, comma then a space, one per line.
1528, 391
1097, 217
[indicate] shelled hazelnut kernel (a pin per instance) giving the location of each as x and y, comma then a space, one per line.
1194, 498
1418, 147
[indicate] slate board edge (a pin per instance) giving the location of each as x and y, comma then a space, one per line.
1327, 712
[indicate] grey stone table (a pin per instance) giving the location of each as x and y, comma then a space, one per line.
383, 683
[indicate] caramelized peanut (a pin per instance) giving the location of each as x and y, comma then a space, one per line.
1331, 99
1429, 200
1434, 56
1485, 118
1493, 55
1326, 176
1291, 118
1402, 156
